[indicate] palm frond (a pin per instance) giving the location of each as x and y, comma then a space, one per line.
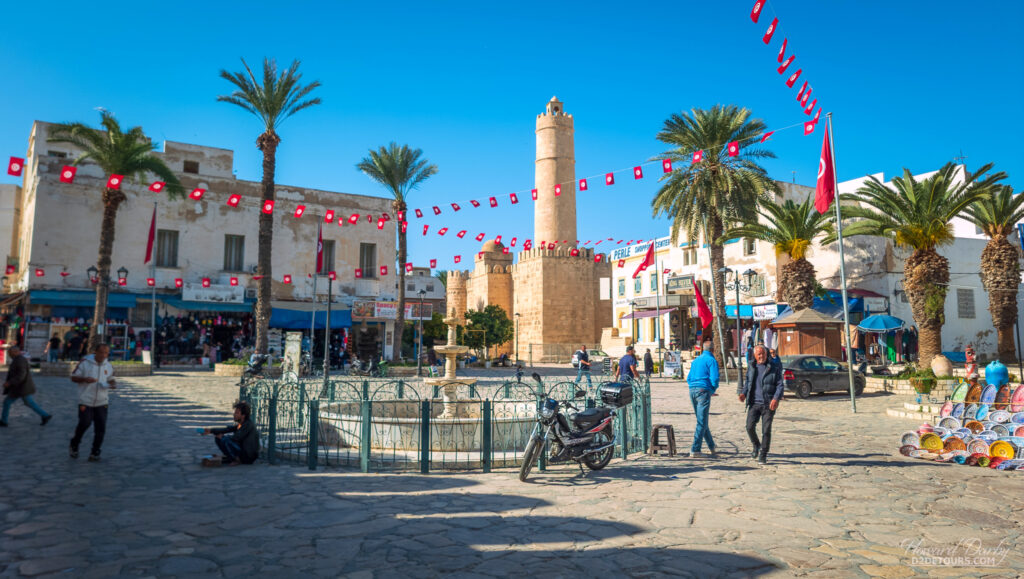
277, 97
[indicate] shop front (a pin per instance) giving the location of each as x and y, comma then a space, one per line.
373, 326
204, 324
68, 314
302, 316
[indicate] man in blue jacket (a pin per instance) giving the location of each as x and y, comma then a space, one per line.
703, 382
762, 391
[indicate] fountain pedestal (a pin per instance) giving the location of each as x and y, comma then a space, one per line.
449, 382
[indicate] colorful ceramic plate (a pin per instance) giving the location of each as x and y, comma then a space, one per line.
1003, 397
931, 441
1001, 449
1017, 418
909, 438
963, 432
943, 432
988, 436
1001, 430
906, 449
971, 413
950, 423
1017, 399
960, 391
1019, 431
973, 395
988, 395
982, 412
958, 410
974, 425
917, 453
954, 443
999, 416
946, 409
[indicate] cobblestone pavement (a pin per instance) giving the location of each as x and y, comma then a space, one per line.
834, 501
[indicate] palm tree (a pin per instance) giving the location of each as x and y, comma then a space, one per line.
442, 276
117, 153
917, 214
273, 100
791, 228
997, 217
400, 170
704, 198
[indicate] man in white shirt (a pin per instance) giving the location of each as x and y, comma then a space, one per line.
95, 378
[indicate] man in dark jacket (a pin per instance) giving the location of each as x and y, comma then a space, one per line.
19, 384
762, 391
239, 442
648, 363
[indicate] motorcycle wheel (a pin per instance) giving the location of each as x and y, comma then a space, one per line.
599, 460
530, 456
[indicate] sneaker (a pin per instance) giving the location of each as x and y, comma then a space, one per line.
73, 451
3, 424
45, 420
697, 455
762, 459
756, 452
712, 453
94, 457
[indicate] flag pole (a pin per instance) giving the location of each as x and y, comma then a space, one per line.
657, 308
842, 266
714, 294
316, 272
152, 274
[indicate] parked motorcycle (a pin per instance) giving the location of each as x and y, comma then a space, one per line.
586, 437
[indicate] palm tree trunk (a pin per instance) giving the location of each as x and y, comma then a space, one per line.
396, 352
718, 307
926, 275
1000, 274
797, 284
267, 142
111, 202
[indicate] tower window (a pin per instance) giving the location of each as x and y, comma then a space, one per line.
191, 167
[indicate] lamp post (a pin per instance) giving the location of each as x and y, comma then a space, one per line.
632, 321
419, 343
518, 315
745, 288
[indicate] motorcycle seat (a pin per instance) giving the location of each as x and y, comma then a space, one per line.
590, 416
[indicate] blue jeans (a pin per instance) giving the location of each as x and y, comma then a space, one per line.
28, 400
229, 447
52, 355
701, 399
583, 372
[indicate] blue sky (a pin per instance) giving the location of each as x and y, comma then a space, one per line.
911, 84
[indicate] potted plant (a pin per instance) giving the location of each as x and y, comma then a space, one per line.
923, 381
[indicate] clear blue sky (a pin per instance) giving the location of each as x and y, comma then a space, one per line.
911, 84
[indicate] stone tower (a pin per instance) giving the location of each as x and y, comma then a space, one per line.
554, 217
456, 293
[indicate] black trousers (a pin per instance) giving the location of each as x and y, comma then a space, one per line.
760, 412
91, 416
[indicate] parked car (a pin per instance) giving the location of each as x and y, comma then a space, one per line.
805, 374
597, 358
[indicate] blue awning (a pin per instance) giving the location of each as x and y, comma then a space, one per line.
298, 320
79, 298
194, 306
746, 311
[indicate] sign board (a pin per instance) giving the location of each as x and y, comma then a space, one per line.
680, 284
367, 310
639, 249
673, 362
657, 301
766, 312
412, 311
292, 352
875, 304
215, 293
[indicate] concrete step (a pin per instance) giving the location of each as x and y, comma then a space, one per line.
910, 414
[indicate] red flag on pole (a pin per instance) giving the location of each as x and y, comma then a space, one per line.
319, 247
152, 237
647, 262
825, 191
702, 308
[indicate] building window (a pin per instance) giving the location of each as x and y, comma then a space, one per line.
191, 167
234, 252
166, 248
749, 246
368, 259
758, 286
57, 154
965, 303
637, 283
328, 259
690, 256
654, 283
410, 287
430, 287
622, 287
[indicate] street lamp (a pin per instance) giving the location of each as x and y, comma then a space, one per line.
122, 276
419, 347
632, 321
518, 315
745, 288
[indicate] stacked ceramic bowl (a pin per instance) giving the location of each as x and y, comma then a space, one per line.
996, 440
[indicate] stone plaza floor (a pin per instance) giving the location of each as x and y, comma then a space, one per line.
835, 500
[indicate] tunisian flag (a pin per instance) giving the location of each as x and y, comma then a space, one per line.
647, 262
319, 248
825, 192
152, 237
702, 308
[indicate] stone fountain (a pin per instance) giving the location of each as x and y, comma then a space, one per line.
449, 383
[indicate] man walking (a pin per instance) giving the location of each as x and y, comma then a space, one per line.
19, 384
762, 391
583, 364
648, 364
703, 382
95, 378
627, 367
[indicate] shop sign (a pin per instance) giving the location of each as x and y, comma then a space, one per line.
370, 310
215, 293
639, 249
875, 304
680, 284
413, 312
766, 312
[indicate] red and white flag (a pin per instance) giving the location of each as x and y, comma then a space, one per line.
437, 210
583, 184
597, 257
703, 311
817, 116
513, 198
178, 282
474, 203
638, 173
792, 78
666, 165
442, 231
152, 237
40, 272
647, 262
809, 127
287, 278
733, 148
385, 216
67, 174
527, 244
302, 209
810, 107
698, 156
433, 263
419, 213
493, 201
268, 206
380, 223
157, 186
498, 239
533, 194
504, 250
383, 270
150, 281
359, 273
328, 218
622, 263
408, 267
234, 199
825, 190
233, 281
455, 207
800, 94
771, 30
425, 229
319, 247
369, 218
558, 189
354, 218
766, 135
755, 12
782, 67
10, 270
114, 181
461, 234
805, 98
122, 281
15, 165
400, 215
206, 282
458, 258
782, 51
197, 194
405, 226
480, 237
332, 275
574, 252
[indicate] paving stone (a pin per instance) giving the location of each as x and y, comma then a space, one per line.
888, 571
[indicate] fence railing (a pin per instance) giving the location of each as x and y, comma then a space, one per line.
389, 424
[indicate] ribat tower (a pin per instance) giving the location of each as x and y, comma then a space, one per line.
555, 215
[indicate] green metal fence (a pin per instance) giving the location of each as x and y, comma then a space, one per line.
390, 424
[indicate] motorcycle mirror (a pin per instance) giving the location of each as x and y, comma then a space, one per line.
581, 394
536, 376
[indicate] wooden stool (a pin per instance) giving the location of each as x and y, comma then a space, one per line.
670, 445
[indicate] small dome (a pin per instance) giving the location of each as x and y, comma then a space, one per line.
492, 246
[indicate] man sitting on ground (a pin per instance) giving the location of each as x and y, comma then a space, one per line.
240, 442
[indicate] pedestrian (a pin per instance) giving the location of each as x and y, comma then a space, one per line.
703, 382
648, 363
19, 384
52, 349
95, 378
762, 390
582, 362
627, 367
243, 444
